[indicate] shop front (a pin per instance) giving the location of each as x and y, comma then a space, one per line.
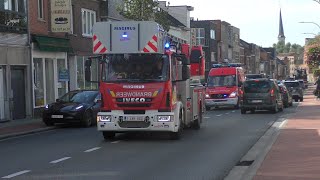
50, 71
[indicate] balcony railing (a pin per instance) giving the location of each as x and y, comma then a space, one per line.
12, 21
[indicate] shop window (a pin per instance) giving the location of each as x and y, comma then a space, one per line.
50, 85
38, 82
81, 83
80, 72
63, 77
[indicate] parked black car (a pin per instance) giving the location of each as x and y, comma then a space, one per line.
254, 76
80, 106
261, 94
286, 95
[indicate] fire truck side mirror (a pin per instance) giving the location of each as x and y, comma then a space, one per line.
185, 72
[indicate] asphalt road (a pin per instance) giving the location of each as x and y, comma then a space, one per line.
81, 153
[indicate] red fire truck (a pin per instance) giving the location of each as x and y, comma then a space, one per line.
145, 84
223, 85
197, 61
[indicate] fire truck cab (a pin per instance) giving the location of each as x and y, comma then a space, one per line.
223, 85
145, 84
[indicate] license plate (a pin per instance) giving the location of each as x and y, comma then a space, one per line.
256, 101
57, 116
133, 118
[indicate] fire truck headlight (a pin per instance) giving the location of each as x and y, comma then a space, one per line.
105, 118
233, 94
207, 96
165, 118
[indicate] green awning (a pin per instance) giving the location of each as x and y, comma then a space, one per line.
53, 44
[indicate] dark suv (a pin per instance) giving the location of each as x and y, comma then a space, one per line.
296, 90
260, 94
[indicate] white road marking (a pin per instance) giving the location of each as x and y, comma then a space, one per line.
207, 117
219, 115
16, 174
227, 113
114, 142
233, 111
59, 160
92, 149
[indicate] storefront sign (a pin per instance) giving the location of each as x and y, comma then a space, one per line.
63, 75
60, 15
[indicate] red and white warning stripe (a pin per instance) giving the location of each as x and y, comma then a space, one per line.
98, 47
152, 45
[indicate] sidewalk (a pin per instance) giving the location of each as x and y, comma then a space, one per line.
21, 127
296, 153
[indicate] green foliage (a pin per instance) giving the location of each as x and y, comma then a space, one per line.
286, 48
316, 72
144, 10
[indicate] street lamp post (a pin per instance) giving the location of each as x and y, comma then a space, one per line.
311, 23
310, 33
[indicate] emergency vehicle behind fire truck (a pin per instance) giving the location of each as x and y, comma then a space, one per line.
144, 84
223, 85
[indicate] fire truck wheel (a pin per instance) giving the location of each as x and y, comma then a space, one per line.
177, 135
243, 111
196, 124
108, 135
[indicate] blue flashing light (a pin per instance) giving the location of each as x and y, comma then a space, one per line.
167, 45
125, 35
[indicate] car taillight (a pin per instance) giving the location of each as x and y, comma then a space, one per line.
272, 92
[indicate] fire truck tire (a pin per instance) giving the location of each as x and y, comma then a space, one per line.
108, 135
196, 124
177, 135
243, 111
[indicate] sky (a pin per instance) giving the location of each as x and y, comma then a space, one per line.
258, 20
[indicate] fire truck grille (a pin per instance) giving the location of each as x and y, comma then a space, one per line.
219, 96
134, 105
134, 124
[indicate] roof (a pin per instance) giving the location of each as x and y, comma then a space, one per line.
281, 31
280, 62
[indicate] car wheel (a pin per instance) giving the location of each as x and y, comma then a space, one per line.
108, 135
87, 119
301, 99
243, 111
48, 122
252, 111
208, 108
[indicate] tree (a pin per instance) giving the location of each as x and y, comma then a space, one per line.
318, 1
144, 10
287, 47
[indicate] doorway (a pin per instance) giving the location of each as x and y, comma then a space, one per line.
18, 92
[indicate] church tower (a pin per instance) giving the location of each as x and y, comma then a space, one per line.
281, 36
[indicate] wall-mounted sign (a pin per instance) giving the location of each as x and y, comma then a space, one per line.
63, 75
60, 15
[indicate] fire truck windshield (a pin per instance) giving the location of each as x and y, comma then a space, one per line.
136, 68
218, 81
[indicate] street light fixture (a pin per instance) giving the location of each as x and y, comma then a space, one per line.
311, 23
310, 33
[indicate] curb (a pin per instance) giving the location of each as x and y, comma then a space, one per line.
257, 153
7, 136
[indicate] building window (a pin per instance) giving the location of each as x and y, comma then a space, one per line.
212, 34
88, 19
40, 9
15, 5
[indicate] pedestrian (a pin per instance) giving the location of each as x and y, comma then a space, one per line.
317, 91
